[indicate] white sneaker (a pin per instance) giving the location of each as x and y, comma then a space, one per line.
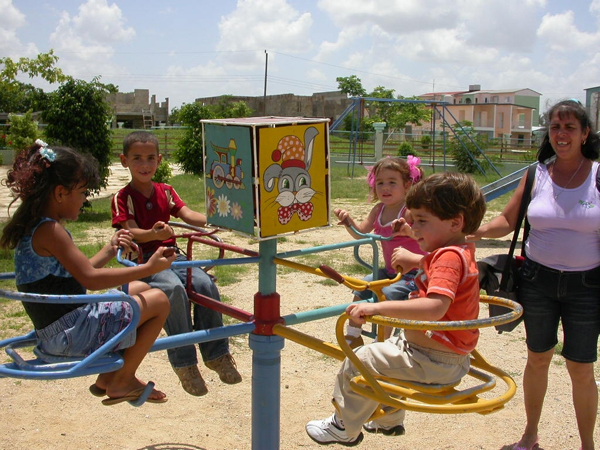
327, 432
389, 430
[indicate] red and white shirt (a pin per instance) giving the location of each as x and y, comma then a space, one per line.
130, 204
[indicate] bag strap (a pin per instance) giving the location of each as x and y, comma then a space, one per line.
522, 210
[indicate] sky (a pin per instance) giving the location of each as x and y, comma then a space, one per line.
199, 48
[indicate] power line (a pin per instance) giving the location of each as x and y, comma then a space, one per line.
363, 71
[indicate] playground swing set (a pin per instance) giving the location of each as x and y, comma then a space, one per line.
302, 165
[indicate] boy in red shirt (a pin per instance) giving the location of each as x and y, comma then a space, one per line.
446, 207
144, 208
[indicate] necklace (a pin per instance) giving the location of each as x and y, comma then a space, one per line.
149, 204
570, 179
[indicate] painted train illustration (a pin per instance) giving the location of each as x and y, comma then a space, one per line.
227, 170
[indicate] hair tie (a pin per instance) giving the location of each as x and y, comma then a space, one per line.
413, 168
45, 152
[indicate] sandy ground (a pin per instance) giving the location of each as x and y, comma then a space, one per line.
63, 415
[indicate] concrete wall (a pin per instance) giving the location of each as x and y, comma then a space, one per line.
137, 109
320, 104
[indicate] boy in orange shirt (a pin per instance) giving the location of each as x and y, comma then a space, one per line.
446, 207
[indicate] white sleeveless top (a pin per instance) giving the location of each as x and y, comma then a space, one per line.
565, 223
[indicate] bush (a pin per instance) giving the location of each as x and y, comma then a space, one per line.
22, 132
189, 148
77, 117
405, 149
425, 141
466, 155
163, 173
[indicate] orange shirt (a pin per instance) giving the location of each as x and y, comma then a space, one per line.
452, 271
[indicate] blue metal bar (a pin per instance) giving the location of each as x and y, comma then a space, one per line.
266, 363
266, 390
317, 314
197, 337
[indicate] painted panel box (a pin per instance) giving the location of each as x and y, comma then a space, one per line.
267, 176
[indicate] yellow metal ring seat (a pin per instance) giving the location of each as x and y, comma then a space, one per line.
463, 397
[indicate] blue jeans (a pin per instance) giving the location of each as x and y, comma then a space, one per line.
396, 291
172, 283
573, 298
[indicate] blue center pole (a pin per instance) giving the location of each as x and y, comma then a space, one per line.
266, 354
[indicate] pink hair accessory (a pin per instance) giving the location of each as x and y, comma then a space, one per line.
370, 176
413, 168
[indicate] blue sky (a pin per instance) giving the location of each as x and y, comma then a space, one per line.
197, 48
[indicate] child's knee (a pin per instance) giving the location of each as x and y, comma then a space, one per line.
160, 302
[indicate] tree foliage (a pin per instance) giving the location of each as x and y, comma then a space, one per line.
78, 116
23, 131
351, 86
16, 96
464, 151
21, 97
189, 149
395, 114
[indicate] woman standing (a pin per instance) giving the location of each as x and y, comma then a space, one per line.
560, 277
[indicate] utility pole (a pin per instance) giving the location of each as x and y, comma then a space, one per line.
264, 113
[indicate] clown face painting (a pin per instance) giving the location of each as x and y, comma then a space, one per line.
294, 188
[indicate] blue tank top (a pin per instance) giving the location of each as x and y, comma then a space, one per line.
43, 275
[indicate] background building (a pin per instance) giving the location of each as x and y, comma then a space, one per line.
137, 110
511, 114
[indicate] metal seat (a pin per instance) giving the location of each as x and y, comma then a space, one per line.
50, 367
462, 397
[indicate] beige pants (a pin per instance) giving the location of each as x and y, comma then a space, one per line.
395, 358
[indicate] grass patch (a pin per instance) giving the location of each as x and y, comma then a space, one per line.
328, 282
227, 275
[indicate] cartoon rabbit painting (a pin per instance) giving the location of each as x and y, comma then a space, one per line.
291, 176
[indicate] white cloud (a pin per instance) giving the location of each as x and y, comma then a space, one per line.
11, 19
393, 16
562, 35
98, 21
267, 25
85, 41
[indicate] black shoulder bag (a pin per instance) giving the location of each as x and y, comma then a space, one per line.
498, 273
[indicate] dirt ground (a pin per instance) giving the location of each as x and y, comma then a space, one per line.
63, 415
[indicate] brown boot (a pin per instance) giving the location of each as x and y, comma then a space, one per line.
226, 368
191, 380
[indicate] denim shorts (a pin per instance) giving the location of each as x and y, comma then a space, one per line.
550, 296
396, 291
86, 328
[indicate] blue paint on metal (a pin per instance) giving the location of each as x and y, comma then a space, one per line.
266, 388
504, 184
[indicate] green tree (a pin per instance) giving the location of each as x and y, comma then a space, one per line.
227, 108
351, 86
23, 131
397, 114
78, 116
16, 96
189, 149
463, 147
21, 97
